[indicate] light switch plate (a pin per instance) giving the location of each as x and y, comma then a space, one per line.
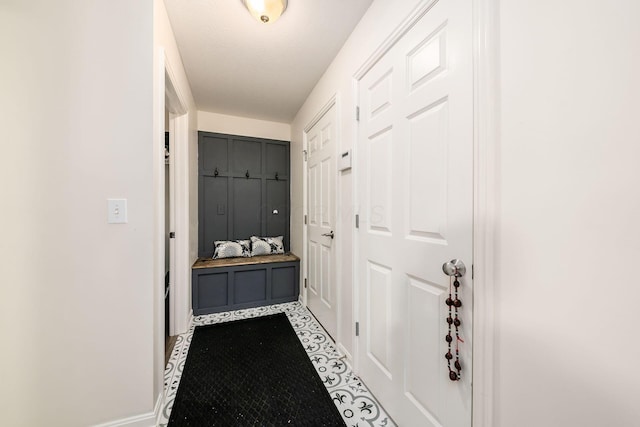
117, 211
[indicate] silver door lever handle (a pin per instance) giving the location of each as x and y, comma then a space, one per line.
329, 234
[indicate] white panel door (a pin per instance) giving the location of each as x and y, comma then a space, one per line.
321, 291
415, 159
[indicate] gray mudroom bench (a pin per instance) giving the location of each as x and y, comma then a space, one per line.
237, 283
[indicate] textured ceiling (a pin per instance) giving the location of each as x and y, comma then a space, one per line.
239, 66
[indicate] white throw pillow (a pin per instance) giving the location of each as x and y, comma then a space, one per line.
266, 245
230, 249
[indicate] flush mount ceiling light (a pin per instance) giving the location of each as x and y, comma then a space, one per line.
266, 11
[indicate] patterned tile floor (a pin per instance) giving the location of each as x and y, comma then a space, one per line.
356, 404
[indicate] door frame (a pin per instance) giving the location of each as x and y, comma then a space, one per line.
486, 146
333, 101
485, 52
167, 94
179, 302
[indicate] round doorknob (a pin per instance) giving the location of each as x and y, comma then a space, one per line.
455, 267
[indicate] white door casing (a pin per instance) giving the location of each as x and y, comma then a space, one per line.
172, 222
180, 271
321, 177
415, 185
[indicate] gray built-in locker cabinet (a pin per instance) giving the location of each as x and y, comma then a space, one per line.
243, 189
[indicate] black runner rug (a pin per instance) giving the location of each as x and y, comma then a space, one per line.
252, 372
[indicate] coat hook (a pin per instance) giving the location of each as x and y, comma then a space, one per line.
247, 174
215, 173
276, 176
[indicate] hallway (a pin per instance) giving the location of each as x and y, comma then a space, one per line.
556, 144
355, 403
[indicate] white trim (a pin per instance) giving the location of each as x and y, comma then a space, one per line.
332, 101
338, 223
305, 214
144, 420
172, 209
179, 301
355, 193
148, 419
176, 104
191, 319
157, 410
414, 16
158, 217
343, 350
486, 149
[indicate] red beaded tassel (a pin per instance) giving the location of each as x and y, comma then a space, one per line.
454, 303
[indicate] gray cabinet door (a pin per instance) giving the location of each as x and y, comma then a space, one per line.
247, 156
278, 209
247, 208
277, 160
214, 155
213, 212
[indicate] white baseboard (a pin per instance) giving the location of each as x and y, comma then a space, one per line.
149, 419
344, 352
157, 411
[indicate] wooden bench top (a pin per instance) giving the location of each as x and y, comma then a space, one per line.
230, 262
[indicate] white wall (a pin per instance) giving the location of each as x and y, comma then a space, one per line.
568, 234
76, 296
376, 25
233, 125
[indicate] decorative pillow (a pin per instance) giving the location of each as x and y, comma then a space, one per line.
266, 245
230, 249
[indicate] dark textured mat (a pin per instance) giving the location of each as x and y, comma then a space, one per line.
251, 372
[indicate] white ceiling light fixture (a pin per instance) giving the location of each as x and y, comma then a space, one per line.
266, 11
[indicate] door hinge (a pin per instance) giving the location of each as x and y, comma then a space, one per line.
472, 272
305, 220
357, 329
172, 235
357, 221
305, 283
304, 152
357, 114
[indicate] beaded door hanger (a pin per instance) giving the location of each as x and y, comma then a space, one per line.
454, 269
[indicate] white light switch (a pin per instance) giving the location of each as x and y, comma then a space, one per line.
117, 213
